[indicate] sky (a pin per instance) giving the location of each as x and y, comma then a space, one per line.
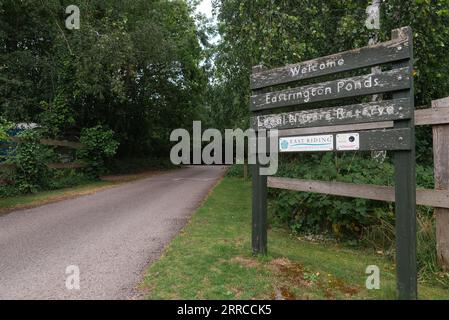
205, 7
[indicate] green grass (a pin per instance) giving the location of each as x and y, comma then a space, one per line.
211, 259
11, 203
39, 198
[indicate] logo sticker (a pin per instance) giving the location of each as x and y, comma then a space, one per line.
307, 143
348, 141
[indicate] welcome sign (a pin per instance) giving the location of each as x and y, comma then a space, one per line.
302, 86
397, 79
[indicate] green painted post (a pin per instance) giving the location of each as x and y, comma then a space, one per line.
405, 193
259, 221
259, 203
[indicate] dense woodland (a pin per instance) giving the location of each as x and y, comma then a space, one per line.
137, 69
133, 67
132, 72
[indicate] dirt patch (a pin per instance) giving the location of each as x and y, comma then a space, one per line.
287, 268
246, 262
295, 275
283, 294
292, 275
339, 285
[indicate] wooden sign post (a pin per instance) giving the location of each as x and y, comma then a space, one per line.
396, 79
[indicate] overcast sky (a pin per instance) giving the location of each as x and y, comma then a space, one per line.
205, 7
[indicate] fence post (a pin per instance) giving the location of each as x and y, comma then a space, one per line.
259, 200
405, 193
441, 173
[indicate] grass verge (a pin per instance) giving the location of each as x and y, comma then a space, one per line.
26, 201
211, 259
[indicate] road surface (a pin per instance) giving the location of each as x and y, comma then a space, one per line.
111, 236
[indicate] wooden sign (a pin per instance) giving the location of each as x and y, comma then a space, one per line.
394, 139
358, 113
394, 50
396, 79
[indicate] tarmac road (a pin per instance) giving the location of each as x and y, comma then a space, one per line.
111, 236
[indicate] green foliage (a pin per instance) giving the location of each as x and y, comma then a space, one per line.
5, 125
54, 179
31, 159
237, 171
134, 65
56, 117
65, 178
99, 146
381, 236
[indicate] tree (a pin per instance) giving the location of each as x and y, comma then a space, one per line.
133, 66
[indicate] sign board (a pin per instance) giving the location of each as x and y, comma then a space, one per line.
307, 143
393, 80
347, 142
345, 96
394, 50
348, 114
372, 140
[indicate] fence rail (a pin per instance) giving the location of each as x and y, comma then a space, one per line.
56, 143
68, 165
52, 142
425, 197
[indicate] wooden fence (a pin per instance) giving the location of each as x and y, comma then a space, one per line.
438, 117
56, 143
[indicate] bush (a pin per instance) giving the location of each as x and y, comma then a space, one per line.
65, 178
100, 145
236, 170
30, 158
56, 117
381, 236
5, 126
